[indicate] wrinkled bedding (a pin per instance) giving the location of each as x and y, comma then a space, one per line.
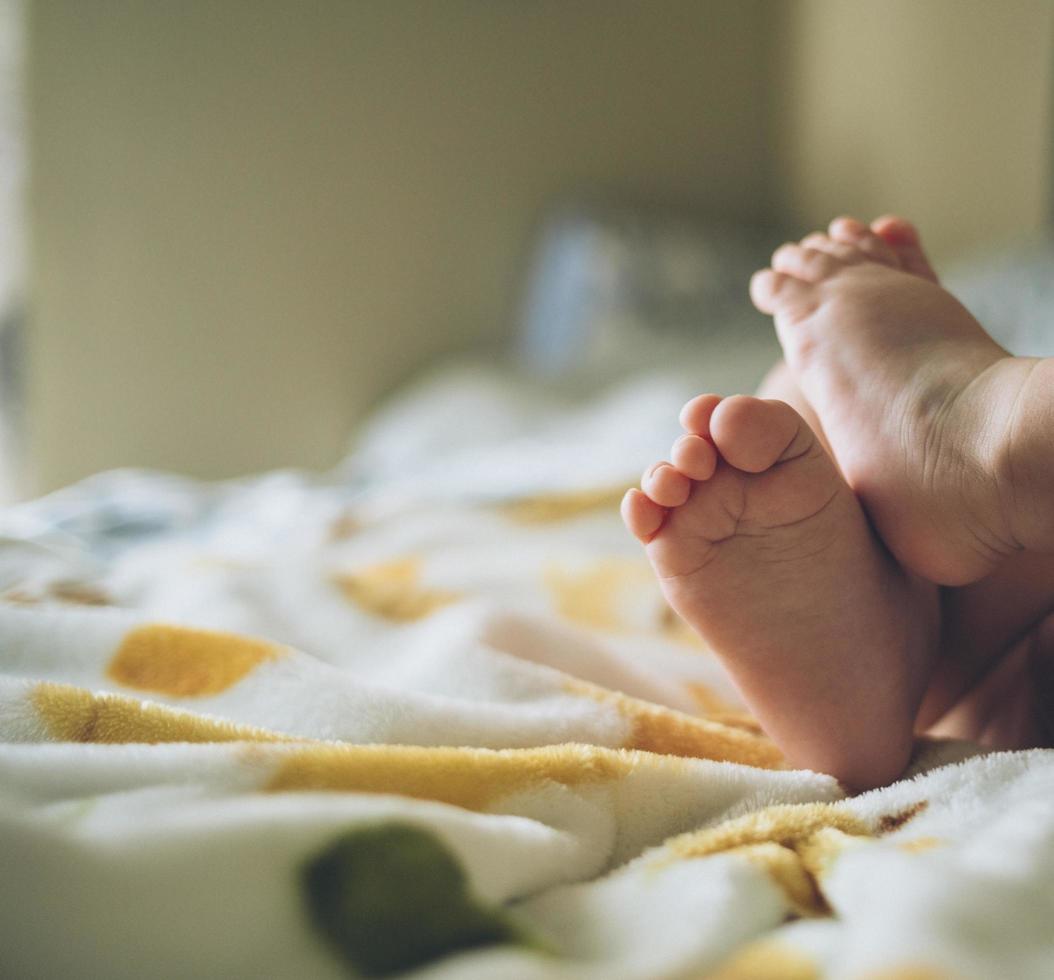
431, 716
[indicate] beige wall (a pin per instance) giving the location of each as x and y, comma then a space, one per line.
939, 109
253, 216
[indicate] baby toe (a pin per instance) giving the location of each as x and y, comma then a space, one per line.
666, 485
846, 228
815, 239
694, 456
807, 264
775, 292
824, 243
642, 516
850, 231
695, 416
897, 231
903, 238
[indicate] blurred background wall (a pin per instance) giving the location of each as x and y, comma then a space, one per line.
250, 218
939, 109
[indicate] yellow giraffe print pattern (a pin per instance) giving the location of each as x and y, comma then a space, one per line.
391, 591
186, 663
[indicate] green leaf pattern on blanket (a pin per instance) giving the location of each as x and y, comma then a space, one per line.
392, 897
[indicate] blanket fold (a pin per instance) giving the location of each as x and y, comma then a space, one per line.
278, 730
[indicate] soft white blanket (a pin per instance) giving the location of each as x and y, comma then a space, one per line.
434, 717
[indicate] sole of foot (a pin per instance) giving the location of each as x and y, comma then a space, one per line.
762, 548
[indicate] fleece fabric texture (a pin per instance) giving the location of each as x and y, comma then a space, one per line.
434, 719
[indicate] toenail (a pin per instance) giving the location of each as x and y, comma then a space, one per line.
689, 438
851, 226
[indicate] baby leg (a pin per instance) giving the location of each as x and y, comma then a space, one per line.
994, 679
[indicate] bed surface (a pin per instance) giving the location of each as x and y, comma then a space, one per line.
431, 715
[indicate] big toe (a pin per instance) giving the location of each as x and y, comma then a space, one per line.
903, 238
753, 434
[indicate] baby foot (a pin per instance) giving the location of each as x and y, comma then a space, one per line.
897, 233
760, 545
918, 403
890, 240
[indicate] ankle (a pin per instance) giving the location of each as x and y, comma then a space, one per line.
1023, 452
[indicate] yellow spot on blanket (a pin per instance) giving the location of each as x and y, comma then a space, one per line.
788, 824
603, 595
920, 844
788, 871
795, 843
894, 821
618, 595
80, 594
711, 703
738, 719
654, 728
72, 714
549, 508
186, 663
767, 960
75, 593
466, 777
392, 590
